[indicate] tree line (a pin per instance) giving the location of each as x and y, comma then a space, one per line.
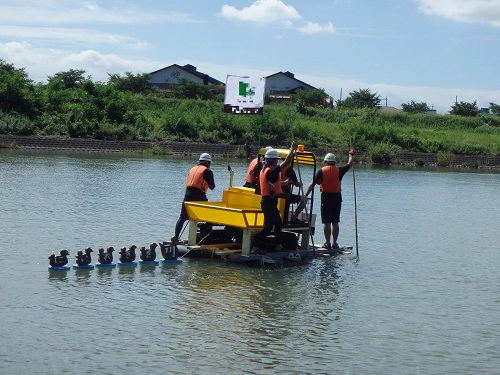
71, 104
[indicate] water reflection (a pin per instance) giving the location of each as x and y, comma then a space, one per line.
173, 272
83, 276
104, 274
126, 272
147, 269
59, 275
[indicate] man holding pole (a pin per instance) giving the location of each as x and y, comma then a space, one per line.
329, 178
270, 190
199, 180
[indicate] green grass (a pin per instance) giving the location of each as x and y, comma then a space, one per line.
155, 117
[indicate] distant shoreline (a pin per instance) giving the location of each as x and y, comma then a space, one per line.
79, 145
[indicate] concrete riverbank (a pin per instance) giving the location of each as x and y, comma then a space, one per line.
188, 149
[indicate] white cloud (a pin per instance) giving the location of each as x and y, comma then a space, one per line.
470, 11
263, 12
39, 63
316, 28
59, 13
66, 35
274, 12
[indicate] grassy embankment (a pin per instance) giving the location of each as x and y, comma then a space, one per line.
154, 117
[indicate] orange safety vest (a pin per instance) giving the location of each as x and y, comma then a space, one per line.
265, 184
195, 178
331, 180
283, 172
251, 176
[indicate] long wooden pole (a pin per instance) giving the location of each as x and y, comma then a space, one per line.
231, 173
301, 189
260, 133
355, 204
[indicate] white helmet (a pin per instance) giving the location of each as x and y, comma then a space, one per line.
330, 158
272, 154
205, 157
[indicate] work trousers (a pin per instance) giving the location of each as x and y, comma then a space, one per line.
272, 219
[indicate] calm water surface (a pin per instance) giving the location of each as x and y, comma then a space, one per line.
422, 298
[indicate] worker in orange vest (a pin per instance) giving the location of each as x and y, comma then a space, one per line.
329, 178
270, 190
200, 179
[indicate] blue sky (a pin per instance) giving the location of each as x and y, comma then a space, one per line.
433, 51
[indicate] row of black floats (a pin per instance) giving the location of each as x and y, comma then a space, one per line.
169, 252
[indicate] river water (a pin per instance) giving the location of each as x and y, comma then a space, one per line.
423, 297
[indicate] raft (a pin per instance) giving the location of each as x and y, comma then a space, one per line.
127, 264
85, 267
149, 262
263, 258
171, 261
225, 229
105, 265
61, 268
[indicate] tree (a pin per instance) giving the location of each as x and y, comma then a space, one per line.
71, 79
311, 98
495, 109
362, 98
135, 83
187, 89
17, 92
413, 107
465, 109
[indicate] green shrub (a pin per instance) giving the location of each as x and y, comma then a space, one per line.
240, 153
466, 148
15, 124
444, 159
420, 162
383, 153
156, 150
